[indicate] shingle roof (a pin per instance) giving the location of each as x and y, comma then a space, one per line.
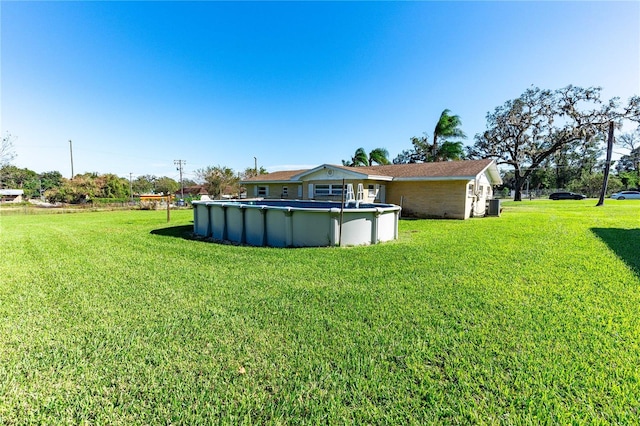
424, 170
11, 192
443, 169
194, 190
284, 175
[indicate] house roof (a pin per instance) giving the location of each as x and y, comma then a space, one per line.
154, 196
275, 177
444, 170
357, 172
194, 190
14, 192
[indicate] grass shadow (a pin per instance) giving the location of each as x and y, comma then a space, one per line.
625, 243
182, 231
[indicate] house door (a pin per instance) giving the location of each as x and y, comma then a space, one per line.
382, 195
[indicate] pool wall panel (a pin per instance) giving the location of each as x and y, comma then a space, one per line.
312, 229
276, 228
217, 218
254, 227
355, 228
387, 227
235, 224
201, 220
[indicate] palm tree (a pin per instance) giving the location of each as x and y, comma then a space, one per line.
379, 156
449, 151
360, 158
448, 126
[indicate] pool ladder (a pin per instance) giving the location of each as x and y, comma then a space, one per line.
355, 200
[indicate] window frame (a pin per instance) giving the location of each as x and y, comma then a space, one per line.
328, 190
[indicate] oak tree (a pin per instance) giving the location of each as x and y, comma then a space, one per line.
524, 132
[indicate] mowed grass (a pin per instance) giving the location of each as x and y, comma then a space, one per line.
116, 318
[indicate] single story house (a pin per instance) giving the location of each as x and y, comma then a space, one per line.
11, 195
192, 191
155, 201
448, 189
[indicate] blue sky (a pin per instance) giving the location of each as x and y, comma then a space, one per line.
137, 85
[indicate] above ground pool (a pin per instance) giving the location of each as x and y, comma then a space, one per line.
295, 223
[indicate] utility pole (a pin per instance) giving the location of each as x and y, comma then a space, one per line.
255, 162
71, 152
168, 207
180, 163
131, 186
607, 166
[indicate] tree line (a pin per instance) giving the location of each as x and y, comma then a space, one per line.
548, 129
545, 138
218, 181
83, 187
221, 181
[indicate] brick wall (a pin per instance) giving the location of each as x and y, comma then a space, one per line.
442, 199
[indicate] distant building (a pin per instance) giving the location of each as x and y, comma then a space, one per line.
193, 191
155, 201
11, 195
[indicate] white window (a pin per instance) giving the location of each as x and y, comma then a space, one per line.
373, 190
322, 190
470, 190
263, 191
285, 191
327, 190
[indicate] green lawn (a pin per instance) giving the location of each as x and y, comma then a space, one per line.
118, 318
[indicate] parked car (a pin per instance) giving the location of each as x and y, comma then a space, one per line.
566, 196
623, 195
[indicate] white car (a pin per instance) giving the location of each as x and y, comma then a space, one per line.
626, 195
